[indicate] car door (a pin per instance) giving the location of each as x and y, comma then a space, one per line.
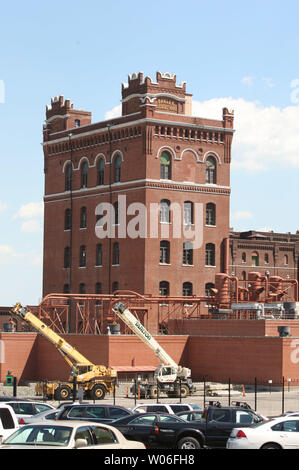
141, 428
219, 427
287, 434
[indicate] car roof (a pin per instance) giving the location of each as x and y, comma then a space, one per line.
68, 423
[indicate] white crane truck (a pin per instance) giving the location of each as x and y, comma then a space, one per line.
169, 377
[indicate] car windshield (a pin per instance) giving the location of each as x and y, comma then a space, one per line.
41, 435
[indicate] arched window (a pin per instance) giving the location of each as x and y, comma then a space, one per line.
83, 217
67, 257
243, 275
255, 259
210, 254
165, 166
115, 256
165, 211
68, 177
187, 288
267, 258
99, 255
117, 169
243, 257
208, 288
164, 252
285, 259
164, 288
101, 166
82, 258
84, 172
188, 212
211, 170
210, 214
187, 253
67, 219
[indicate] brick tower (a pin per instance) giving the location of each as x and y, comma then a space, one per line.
166, 177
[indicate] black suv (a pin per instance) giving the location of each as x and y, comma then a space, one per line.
91, 412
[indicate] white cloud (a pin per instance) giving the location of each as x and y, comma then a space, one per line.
269, 82
265, 136
6, 250
31, 226
114, 112
247, 80
3, 206
241, 215
30, 210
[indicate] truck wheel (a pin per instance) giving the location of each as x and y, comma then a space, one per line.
184, 391
63, 392
98, 392
153, 391
188, 443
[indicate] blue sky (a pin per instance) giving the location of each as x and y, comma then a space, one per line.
243, 55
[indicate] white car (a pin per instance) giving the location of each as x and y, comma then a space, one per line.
68, 435
8, 421
25, 409
171, 408
277, 433
42, 416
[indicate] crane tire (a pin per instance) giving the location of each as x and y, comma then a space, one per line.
153, 393
98, 392
63, 392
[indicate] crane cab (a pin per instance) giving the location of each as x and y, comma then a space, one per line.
165, 374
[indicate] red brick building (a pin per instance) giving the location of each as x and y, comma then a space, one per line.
166, 176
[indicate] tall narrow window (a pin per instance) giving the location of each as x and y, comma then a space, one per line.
67, 257
67, 219
66, 289
255, 259
285, 259
164, 252
115, 257
211, 170
68, 177
188, 212
83, 217
115, 286
210, 214
82, 288
101, 166
165, 166
165, 211
187, 253
116, 215
208, 288
98, 288
210, 254
77, 122
99, 255
164, 288
84, 172
117, 169
82, 259
187, 288
243, 257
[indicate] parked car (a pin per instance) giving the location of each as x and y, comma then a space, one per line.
93, 412
158, 430
25, 409
42, 416
277, 433
8, 421
76, 434
191, 415
172, 408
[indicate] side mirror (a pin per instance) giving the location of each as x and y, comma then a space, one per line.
80, 443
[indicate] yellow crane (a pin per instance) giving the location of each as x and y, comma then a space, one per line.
94, 380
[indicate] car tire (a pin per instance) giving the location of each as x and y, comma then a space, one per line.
63, 392
98, 392
271, 445
188, 443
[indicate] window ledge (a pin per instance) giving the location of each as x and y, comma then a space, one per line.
164, 264
191, 265
209, 266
